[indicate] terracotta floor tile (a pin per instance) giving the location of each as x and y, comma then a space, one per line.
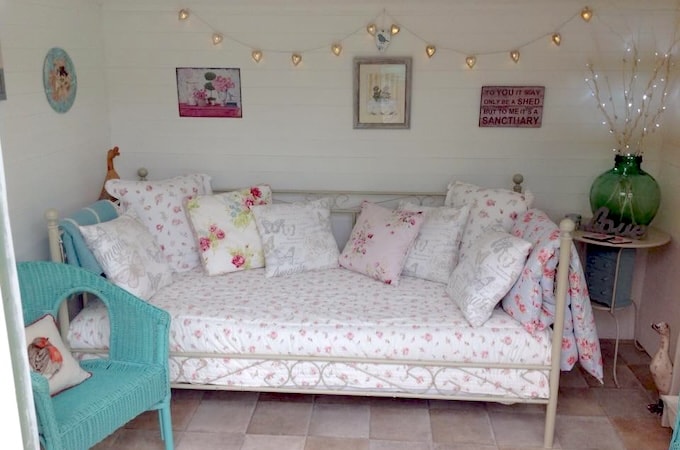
336, 443
631, 355
642, 433
267, 442
281, 418
587, 433
210, 441
624, 402
518, 430
451, 427
578, 402
221, 416
340, 420
402, 423
377, 444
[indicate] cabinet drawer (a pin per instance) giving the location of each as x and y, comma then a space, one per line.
601, 274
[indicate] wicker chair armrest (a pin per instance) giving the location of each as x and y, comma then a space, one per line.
139, 331
43, 406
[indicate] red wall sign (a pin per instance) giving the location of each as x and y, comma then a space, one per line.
511, 106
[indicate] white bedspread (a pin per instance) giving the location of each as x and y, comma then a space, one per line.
332, 313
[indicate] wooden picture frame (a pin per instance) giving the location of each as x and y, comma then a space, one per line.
382, 92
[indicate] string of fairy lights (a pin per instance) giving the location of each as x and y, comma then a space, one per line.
382, 38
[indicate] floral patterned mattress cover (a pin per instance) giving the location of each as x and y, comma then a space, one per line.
333, 313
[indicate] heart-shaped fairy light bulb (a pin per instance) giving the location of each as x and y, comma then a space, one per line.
471, 61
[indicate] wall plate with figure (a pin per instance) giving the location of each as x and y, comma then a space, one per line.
59, 80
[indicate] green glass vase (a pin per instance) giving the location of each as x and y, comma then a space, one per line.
631, 195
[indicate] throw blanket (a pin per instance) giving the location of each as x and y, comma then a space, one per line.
532, 300
75, 249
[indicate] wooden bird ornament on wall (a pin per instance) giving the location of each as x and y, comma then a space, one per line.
111, 173
661, 366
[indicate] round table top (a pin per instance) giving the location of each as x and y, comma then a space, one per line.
653, 238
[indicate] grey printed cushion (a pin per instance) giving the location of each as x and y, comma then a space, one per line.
480, 281
129, 254
490, 210
296, 237
435, 251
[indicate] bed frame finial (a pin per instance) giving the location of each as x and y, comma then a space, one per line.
518, 179
142, 173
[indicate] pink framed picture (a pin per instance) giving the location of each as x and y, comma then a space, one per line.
209, 92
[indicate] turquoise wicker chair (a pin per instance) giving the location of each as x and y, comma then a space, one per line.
675, 440
134, 377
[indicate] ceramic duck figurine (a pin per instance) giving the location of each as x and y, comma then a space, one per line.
661, 366
110, 173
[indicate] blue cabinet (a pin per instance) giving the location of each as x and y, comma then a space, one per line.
609, 274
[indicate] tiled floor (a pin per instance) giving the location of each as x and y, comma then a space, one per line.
590, 416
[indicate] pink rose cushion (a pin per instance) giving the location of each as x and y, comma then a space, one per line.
159, 205
380, 242
226, 231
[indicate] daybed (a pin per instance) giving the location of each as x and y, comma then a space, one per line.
333, 328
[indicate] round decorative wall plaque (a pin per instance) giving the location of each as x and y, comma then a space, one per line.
59, 79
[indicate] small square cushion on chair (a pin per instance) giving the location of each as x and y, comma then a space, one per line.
479, 282
159, 205
434, 254
129, 255
297, 237
380, 242
225, 229
490, 209
48, 356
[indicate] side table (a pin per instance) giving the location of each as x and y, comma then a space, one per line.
609, 269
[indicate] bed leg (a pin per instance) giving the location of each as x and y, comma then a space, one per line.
550, 416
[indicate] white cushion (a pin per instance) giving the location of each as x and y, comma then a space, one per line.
380, 242
490, 209
435, 252
159, 206
225, 229
129, 255
296, 237
480, 281
48, 356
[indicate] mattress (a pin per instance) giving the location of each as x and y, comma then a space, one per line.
339, 316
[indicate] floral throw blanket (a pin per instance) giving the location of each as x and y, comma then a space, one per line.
532, 300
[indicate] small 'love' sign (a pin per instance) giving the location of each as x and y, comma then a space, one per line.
601, 223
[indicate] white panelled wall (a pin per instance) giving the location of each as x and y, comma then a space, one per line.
296, 131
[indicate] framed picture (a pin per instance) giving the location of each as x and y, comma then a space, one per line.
382, 92
209, 92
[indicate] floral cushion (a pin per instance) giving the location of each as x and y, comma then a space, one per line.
296, 237
129, 255
435, 251
479, 282
380, 242
48, 356
490, 209
225, 229
159, 206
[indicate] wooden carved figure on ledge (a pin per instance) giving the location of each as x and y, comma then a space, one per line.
111, 173
661, 366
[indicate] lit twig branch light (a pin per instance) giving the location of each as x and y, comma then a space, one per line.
642, 104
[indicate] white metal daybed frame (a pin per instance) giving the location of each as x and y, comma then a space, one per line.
322, 364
